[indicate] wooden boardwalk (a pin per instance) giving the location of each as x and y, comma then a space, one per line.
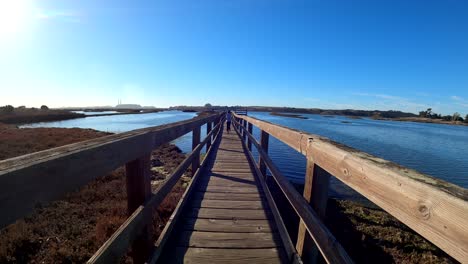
227, 218
227, 213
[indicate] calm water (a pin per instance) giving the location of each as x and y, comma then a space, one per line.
437, 150
95, 113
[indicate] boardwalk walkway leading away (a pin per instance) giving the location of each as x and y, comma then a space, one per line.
228, 219
227, 213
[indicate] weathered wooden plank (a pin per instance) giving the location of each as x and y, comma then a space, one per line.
231, 170
46, 175
228, 213
230, 176
234, 166
227, 240
228, 196
228, 225
229, 189
228, 204
232, 256
234, 182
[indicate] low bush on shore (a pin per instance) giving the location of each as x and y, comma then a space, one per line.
22, 115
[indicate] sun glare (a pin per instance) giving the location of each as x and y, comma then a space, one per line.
13, 16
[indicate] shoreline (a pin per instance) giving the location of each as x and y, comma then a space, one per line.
399, 119
424, 120
298, 116
54, 116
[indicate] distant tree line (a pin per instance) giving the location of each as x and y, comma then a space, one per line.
455, 117
9, 109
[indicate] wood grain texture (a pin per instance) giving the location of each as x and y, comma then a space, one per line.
231, 256
228, 204
223, 213
228, 196
228, 189
228, 225
227, 240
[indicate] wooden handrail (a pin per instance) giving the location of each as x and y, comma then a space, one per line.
331, 250
433, 208
43, 176
116, 246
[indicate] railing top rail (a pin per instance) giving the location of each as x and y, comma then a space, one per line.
432, 207
47, 175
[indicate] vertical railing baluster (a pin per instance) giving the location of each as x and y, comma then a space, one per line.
316, 187
138, 179
244, 132
249, 142
208, 130
195, 142
264, 144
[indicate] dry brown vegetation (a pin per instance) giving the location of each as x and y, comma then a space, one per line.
33, 115
371, 235
72, 229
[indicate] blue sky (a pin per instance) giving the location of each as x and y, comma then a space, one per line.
401, 55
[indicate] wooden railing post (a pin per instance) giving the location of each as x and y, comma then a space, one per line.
138, 192
264, 144
316, 186
244, 126
195, 141
249, 142
208, 130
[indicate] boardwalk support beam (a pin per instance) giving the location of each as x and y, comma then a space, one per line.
138, 193
249, 142
316, 193
208, 130
264, 145
195, 142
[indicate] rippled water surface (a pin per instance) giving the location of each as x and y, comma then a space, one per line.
434, 149
437, 150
